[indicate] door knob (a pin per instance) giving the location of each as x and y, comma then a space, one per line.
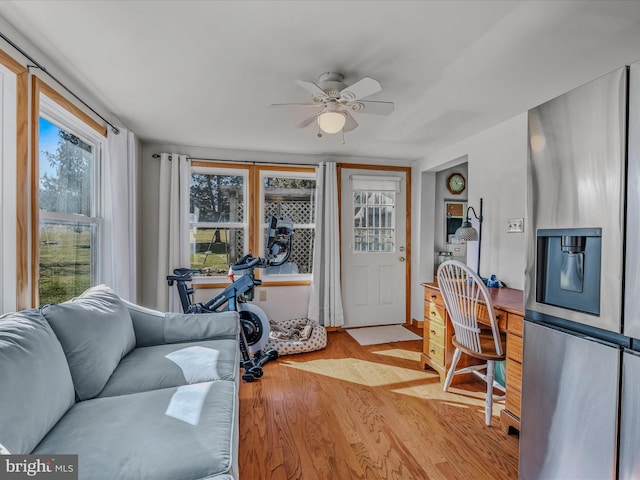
401, 259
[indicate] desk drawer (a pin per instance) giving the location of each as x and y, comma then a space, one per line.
434, 351
435, 330
514, 375
514, 347
483, 317
512, 402
515, 324
434, 312
431, 295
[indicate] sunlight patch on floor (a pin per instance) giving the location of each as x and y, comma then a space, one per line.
455, 397
360, 371
400, 353
435, 392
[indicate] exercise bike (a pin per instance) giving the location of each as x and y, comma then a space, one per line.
254, 333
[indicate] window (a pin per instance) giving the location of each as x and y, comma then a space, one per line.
291, 194
374, 222
70, 223
374, 210
218, 228
228, 217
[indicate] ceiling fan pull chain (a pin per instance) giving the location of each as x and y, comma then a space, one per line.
342, 136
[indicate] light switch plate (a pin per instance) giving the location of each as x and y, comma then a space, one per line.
515, 225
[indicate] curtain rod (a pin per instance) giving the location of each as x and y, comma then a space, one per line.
37, 65
157, 155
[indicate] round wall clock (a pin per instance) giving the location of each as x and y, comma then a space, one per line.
456, 183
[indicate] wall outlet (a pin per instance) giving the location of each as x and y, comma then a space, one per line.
262, 295
515, 225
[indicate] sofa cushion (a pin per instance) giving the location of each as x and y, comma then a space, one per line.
154, 328
173, 433
95, 331
172, 365
35, 382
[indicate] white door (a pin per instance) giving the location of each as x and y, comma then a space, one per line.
374, 263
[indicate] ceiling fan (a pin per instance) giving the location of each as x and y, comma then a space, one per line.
336, 100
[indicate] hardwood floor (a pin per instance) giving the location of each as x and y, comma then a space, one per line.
353, 412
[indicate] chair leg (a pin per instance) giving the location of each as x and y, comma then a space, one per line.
489, 400
452, 370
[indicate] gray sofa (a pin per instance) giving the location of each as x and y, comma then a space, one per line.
135, 393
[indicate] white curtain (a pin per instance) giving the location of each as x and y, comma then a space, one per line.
325, 301
120, 214
173, 226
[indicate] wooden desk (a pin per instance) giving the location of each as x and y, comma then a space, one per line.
437, 351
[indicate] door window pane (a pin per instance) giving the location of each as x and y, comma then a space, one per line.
374, 221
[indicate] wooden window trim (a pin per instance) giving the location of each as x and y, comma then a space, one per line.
39, 86
23, 297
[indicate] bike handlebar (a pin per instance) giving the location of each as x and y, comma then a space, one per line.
248, 261
184, 271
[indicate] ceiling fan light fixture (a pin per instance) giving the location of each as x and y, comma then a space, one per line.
331, 121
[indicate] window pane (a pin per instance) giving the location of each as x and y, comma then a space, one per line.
301, 258
65, 169
215, 249
374, 223
217, 198
65, 260
290, 197
360, 240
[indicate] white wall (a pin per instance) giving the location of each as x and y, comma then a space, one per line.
282, 303
496, 172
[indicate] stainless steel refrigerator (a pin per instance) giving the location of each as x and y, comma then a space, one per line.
580, 414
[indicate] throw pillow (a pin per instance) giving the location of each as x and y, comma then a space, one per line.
96, 331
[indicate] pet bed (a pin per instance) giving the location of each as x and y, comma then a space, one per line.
298, 335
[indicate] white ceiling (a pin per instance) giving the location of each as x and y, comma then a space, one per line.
204, 73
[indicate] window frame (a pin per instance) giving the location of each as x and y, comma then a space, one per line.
198, 168
299, 173
55, 108
254, 203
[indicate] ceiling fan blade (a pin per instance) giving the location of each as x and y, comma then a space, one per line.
309, 120
315, 105
362, 88
374, 108
350, 124
313, 89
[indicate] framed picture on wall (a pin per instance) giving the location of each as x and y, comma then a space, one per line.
454, 216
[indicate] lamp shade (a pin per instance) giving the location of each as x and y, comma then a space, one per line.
466, 232
331, 121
